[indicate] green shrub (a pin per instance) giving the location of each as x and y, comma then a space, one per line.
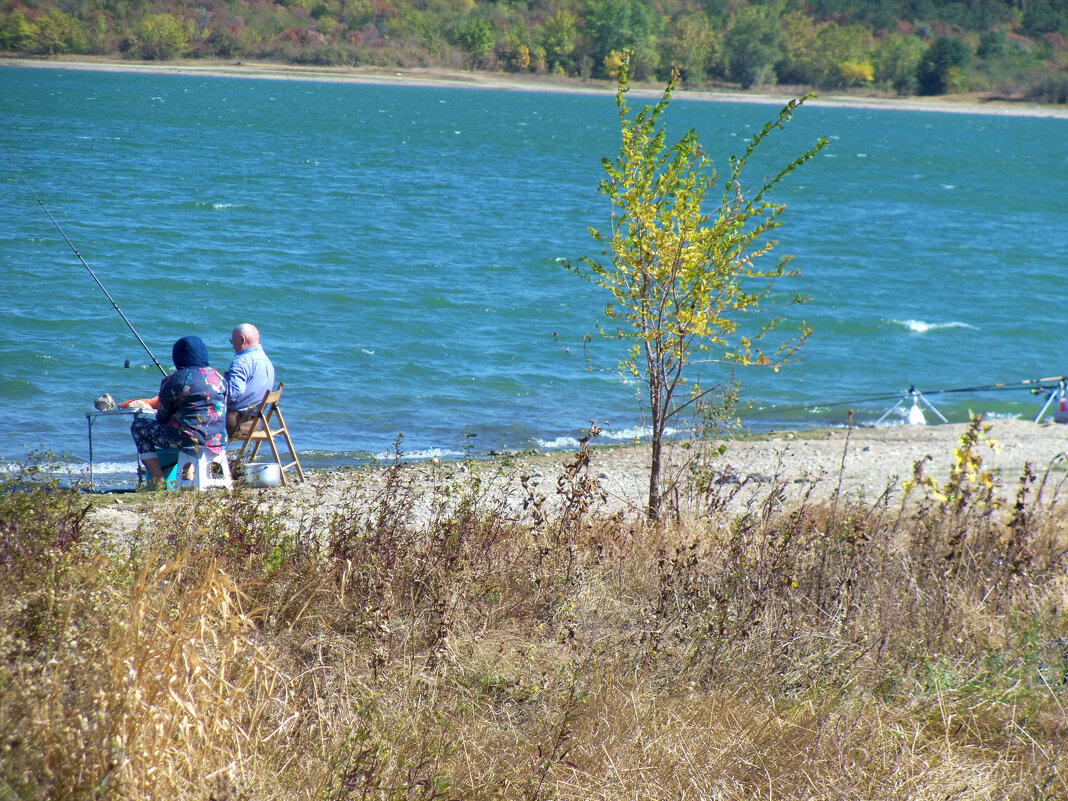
42, 516
1050, 89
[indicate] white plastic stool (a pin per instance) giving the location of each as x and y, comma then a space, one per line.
202, 478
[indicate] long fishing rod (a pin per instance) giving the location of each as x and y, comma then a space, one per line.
1039, 385
1035, 385
84, 263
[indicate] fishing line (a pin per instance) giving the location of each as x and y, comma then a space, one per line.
84, 262
816, 405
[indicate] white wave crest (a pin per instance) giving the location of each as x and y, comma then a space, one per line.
557, 443
109, 468
631, 434
80, 469
628, 434
420, 455
923, 327
987, 415
565, 442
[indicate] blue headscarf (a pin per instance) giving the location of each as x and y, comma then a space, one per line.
189, 352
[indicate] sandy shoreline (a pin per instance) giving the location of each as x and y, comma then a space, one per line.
964, 104
866, 462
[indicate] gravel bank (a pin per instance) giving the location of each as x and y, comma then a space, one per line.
867, 462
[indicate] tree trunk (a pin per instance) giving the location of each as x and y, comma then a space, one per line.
654, 474
657, 410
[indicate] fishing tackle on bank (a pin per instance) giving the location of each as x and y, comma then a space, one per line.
1054, 387
84, 262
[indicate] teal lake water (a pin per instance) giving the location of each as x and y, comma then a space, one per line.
399, 249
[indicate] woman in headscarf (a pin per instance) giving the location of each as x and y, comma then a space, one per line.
192, 409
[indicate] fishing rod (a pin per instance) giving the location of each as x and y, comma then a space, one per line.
1037, 385
84, 262
1034, 385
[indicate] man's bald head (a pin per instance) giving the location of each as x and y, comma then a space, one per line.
244, 336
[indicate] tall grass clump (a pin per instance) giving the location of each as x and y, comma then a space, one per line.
421, 636
123, 675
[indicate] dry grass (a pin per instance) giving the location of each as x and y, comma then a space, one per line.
839, 650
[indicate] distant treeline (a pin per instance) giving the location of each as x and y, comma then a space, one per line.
1014, 48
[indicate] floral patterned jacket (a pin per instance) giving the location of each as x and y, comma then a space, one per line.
193, 400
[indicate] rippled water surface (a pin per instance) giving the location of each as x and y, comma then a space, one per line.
399, 249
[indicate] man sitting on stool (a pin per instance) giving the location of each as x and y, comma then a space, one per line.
251, 375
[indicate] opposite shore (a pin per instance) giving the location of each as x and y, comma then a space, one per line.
439, 77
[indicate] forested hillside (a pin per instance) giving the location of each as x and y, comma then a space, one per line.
1013, 48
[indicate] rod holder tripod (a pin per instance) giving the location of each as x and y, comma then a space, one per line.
1059, 393
915, 413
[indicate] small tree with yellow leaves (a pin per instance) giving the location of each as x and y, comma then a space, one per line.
966, 474
681, 277
854, 72
612, 62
